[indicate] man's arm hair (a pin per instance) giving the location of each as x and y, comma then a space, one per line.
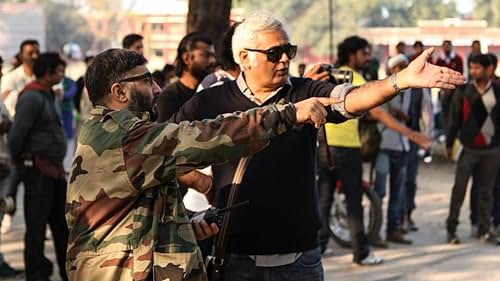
368, 96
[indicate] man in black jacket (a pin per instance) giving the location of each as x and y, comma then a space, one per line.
276, 236
38, 145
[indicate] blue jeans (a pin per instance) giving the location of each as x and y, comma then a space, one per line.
307, 268
394, 163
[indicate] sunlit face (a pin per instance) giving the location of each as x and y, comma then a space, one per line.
361, 57
142, 94
138, 47
262, 71
476, 47
201, 60
447, 48
30, 53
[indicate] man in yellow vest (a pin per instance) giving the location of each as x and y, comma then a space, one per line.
344, 144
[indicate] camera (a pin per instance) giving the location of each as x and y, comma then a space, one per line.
336, 76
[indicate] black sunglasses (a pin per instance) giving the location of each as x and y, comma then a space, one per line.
147, 77
274, 54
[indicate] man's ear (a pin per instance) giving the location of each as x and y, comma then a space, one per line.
245, 60
186, 58
118, 93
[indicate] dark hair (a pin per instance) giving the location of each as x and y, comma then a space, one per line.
46, 63
447, 42
1, 60
475, 42
225, 51
87, 59
130, 39
350, 45
493, 59
158, 76
167, 68
481, 59
187, 44
108, 67
400, 43
27, 42
418, 43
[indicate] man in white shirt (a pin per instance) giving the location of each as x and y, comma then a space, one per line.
14, 81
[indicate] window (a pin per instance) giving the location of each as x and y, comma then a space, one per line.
158, 52
157, 26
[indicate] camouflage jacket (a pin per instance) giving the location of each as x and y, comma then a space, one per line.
124, 209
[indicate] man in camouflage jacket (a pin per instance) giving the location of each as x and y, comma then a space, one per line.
124, 210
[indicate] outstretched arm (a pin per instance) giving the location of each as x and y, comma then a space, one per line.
419, 74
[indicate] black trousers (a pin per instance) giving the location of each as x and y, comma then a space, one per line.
482, 165
44, 203
349, 171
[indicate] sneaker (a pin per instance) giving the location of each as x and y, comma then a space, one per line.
489, 238
376, 241
397, 236
474, 231
453, 238
371, 259
6, 224
410, 225
7, 271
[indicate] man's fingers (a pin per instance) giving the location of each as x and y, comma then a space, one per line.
329, 101
323, 76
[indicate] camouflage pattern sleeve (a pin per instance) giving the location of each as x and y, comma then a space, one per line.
170, 149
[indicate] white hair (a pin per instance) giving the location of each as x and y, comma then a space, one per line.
245, 34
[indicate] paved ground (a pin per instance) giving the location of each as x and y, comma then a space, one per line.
429, 259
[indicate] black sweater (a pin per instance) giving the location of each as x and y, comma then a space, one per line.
468, 115
283, 215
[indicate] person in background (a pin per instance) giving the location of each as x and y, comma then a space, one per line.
418, 48
474, 116
6, 271
11, 85
195, 60
37, 144
133, 42
159, 78
301, 69
169, 74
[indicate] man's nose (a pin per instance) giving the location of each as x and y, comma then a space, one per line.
156, 89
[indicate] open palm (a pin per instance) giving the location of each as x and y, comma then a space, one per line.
422, 74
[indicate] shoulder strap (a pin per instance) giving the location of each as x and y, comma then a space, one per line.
222, 238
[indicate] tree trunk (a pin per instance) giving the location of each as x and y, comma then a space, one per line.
210, 17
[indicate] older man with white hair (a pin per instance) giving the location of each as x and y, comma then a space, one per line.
276, 236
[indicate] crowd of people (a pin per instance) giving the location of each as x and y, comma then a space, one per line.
107, 161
